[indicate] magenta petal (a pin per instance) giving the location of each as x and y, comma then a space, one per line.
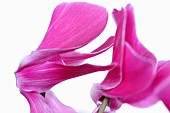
144, 99
163, 76
135, 65
164, 96
114, 77
159, 90
37, 102
135, 77
67, 56
131, 37
74, 58
49, 104
44, 76
95, 92
41, 56
162, 83
74, 24
56, 105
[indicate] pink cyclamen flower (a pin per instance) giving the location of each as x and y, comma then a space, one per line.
135, 68
73, 25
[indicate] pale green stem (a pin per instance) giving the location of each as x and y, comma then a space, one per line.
104, 104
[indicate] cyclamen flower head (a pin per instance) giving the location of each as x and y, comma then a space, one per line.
73, 25
137, 78
134, 66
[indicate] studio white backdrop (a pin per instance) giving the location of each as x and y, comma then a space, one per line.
23, 24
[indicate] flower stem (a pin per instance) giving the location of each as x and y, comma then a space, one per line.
104, 104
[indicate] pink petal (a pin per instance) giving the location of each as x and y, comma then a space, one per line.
131, 37
75, 58
74, 24
49, 104
158, 90
114, 77
135, 77
164, 96
44, 76
142, 100
66, 56
162, 83
41, 56
56, 105
96, 94
136, 66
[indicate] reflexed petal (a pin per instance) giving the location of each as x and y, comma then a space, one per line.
60, 56
96, 94
41, 56
135, 77
37, 102
164, 96
163, 76
44, 76
136, 65
49, 104
74, 58
158, 90
74, 24
162, 85
56, 105
115, 104
131, 37
114, 77
145, 99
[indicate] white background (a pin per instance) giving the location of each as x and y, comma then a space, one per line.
23, 24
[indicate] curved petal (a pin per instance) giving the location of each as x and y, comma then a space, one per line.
74, 58
114, 77
49, 104
42, 77
142, 100
41, 56
135, 77
164, 96
74, 24
37, 102
97, 94
162, 85
131, 37
159, 90
56, 105
62, 56
136, 67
